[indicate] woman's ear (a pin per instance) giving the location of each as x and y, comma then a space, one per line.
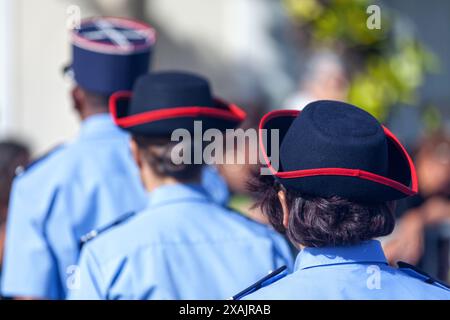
78, 99
282, 198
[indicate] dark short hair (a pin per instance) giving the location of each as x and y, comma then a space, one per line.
157, 152
13, 154
320, 222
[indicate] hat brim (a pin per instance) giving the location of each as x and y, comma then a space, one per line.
354, 184
162, 122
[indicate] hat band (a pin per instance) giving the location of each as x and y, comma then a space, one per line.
347, 173
362, 174
233, 114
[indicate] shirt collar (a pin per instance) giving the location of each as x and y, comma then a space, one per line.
177, 193
100, 125
367, 252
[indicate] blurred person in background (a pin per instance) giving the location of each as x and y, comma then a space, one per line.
183, 245
83, 184
325, 78
237, 175
430, 207
14, 156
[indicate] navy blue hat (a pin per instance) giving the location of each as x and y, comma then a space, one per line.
333, 148
109, 54
163, 102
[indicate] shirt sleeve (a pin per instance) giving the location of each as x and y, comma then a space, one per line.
29, 268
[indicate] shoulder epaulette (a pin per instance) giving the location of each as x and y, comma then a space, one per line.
94, 233
22, 169
419, 274
264, 282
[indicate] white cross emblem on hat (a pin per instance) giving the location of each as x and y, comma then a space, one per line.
107, 31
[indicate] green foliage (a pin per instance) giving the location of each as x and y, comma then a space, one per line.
387, 66
432, 118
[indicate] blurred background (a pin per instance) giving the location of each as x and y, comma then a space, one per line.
265, 54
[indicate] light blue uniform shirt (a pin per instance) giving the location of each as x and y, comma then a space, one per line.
215, 185
182, 246
76, 188
356, 272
